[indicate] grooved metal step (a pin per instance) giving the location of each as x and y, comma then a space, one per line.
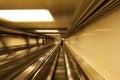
60, 70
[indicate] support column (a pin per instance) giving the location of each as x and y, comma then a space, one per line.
37, 41
4, 45
27, 42
43, 41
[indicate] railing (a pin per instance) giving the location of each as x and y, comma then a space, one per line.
14, 67
76, 71
84, 70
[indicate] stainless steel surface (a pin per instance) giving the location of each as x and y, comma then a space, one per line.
15, 66
24, 75
60, 72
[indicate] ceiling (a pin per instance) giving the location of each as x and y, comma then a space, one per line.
69, 15
61, 10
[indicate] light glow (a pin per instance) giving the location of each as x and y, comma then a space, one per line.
34, 15
47, 30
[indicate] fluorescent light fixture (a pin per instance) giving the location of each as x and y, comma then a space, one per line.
30, 15
54, 35
46, 30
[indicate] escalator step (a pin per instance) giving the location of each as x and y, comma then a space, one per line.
61, 68
60, 72
60, 77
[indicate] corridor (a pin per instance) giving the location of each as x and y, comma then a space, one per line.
59, 39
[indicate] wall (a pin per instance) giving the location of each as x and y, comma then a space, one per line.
14, 40
1, 45
99, 45
40, 40
32, 40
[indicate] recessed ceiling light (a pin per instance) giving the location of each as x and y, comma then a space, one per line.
46, 30
34, 15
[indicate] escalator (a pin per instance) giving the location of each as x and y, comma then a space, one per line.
66, 67
60, 66
14, 67
60, 72
49, 63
